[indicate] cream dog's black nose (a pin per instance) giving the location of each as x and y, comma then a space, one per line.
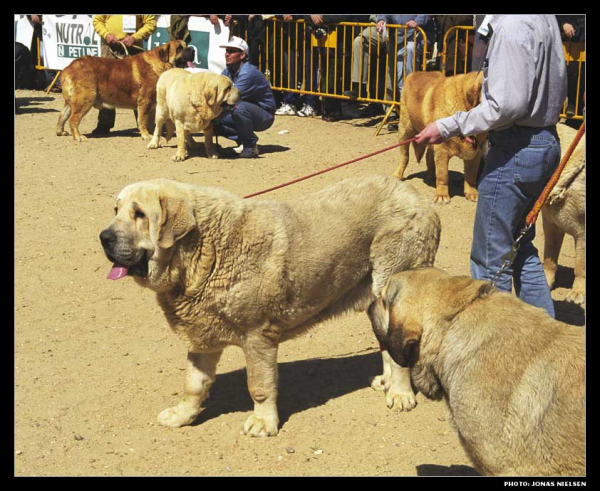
108, 237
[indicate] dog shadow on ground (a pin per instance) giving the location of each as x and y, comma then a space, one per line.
128, 133
442, 470
272, 149
302, 385
456, 180
30, 105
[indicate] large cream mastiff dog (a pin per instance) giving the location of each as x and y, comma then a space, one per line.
188, 102
253, 273
512, 377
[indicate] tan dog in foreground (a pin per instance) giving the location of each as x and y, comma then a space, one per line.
253, 273
188, 102
564, 213
426, 97
91, 81
512, 377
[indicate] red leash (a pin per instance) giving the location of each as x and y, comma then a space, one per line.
330, 168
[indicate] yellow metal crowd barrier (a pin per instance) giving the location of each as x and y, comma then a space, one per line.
326, 60
329, 60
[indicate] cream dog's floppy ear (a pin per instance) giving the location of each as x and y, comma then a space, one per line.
211, 92
176, 220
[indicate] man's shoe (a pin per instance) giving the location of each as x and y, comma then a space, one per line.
286, 110
248, 153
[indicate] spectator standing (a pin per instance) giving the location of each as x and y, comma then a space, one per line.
524, 88
403, 45
252, 27
297, 70
122, 35
455, 65
364, 49
572, 28
333, 78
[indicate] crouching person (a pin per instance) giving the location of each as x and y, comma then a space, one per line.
256, 110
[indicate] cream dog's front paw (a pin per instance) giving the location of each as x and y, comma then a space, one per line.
181, 415
154, 143
400, 400
257, 426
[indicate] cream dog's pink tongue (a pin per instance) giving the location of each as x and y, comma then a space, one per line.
117, 272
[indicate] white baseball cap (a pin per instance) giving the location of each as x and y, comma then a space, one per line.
236, 42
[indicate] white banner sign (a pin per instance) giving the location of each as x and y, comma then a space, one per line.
206, 39
68, 37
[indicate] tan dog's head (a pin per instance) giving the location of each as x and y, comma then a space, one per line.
176, 53
416, 300
217, 91
151, 217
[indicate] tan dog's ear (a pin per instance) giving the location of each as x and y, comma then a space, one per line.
176, 220
211, 92
163, 52
404, 339
461, 291
379, 320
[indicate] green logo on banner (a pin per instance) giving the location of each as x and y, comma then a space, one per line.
201, 41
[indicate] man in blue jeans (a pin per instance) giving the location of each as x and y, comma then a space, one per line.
524, 88
256, 109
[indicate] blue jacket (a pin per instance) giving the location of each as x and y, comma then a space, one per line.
253, 85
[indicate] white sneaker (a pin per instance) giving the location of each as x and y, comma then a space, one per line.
285, 110
307, 112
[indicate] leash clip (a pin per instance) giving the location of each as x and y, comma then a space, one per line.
509, 258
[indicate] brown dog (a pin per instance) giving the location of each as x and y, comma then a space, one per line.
130, 83
513, 377
426, 97
564, 212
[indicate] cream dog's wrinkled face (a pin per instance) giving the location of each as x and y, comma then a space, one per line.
148, 221
220, 93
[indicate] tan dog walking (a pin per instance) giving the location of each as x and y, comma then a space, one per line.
427, 96
512, 376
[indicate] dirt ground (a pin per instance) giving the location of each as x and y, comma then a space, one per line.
95, 361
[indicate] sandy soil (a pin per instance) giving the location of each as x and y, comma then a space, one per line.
95, 361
